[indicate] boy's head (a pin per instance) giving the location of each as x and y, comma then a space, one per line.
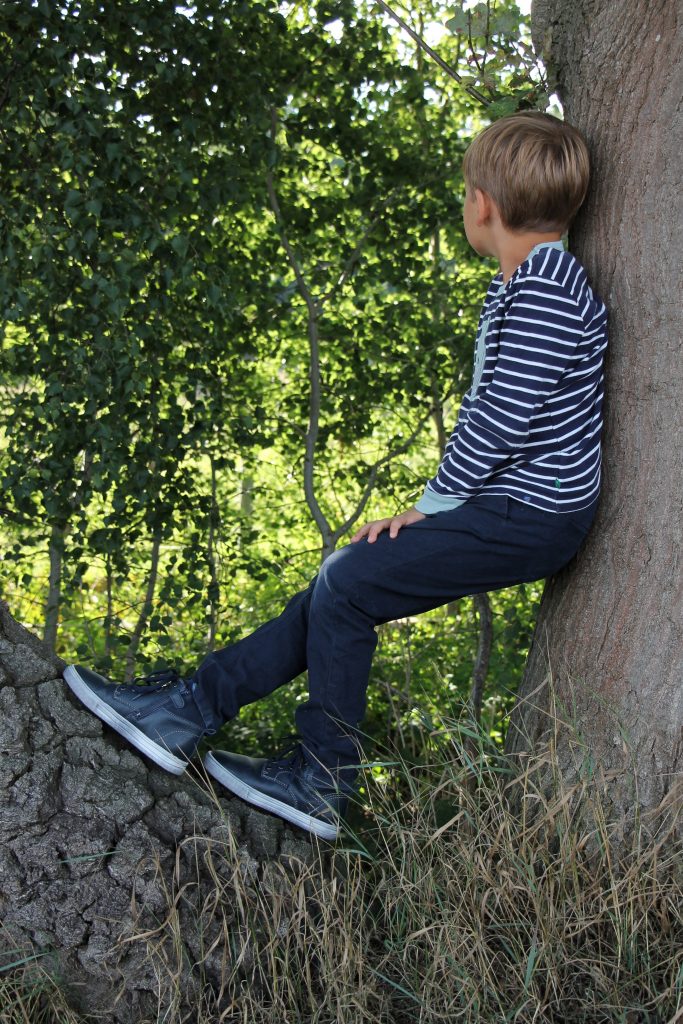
534, 167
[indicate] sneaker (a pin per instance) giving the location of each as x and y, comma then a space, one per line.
160, 718
307, 795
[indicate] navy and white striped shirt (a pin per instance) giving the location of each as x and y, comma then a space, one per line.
530, 425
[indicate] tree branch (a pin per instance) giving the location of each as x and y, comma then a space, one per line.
313, 310
358, 248
374, 470
433, 54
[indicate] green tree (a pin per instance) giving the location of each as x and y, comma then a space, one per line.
248, 273
122, 264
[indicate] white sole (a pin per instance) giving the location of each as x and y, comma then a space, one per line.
160, 755
267, 803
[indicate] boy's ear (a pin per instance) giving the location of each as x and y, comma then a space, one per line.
484, 207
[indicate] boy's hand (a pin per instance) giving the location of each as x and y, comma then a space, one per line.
393, 525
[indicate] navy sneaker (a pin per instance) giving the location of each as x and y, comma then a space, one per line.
160, 718
304, 793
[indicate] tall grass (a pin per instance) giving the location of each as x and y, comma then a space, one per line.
29, 994
442, 901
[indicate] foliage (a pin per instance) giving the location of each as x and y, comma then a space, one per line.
504, 68
176, 232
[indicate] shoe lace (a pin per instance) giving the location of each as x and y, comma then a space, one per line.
163, 677
291, 751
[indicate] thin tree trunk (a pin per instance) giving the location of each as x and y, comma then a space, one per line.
54, 589
437, 416
144, 611
246, 506
437, 316
247, 496
56, 556
482, 604
214, 587
110, 608
314, 311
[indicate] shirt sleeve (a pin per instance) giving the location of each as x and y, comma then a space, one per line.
539, 338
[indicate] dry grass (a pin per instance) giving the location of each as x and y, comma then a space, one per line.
29, 994
441, 904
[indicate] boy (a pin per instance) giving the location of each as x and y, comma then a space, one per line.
512, 499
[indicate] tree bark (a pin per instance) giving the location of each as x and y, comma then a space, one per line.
608, 653
98, 847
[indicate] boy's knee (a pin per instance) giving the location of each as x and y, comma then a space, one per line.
337, 573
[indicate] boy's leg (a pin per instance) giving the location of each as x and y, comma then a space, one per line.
167, 718
251, 668
484, 545
329, 628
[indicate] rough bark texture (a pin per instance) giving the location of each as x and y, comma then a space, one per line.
610, 628
93, 840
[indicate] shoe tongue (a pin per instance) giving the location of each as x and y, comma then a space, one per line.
178, 699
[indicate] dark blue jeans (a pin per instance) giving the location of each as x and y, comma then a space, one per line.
329, 628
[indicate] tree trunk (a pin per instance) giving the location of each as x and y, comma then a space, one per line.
482, 604
608, 635
54, 590
109, 866
145, 611
212, 559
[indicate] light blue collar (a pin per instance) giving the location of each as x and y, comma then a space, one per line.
546, 245
559, 245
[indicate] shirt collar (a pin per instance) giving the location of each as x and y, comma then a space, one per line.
559, 245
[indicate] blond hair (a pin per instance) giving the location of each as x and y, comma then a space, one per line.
534, 167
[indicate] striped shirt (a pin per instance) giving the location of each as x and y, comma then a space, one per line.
530, 425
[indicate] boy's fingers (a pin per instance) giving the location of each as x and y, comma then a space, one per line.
373, 530
396, 523
376, 528
363, 532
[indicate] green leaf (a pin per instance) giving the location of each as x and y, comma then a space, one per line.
503, 106
459, 22
180, 244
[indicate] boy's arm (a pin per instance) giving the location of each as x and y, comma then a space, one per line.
540, 335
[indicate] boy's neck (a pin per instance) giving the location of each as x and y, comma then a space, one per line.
489, 236
511, 248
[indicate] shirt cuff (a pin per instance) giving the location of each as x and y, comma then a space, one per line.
431, 502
